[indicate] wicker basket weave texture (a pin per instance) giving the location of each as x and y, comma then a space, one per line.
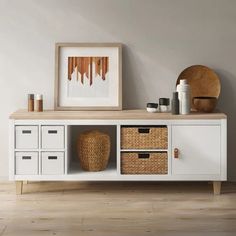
94, 150
131, 138
157, 163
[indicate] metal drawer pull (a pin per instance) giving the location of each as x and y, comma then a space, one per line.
52, 157
26, 131
144, 130
26, 157
176, 153
144, 155
52, 131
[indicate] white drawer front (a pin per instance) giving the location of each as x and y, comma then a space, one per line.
26, 137
26, 163
53, 137
53, 163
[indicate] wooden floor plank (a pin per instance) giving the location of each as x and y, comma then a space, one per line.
117, 209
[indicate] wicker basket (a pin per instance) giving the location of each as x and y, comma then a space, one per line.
144, 137
144, 163
94, 150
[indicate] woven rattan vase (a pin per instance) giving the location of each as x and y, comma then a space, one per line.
94, 150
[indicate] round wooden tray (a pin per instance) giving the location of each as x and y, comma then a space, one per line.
204, 81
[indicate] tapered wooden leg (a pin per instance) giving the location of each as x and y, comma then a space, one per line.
217, 187
25, 182
19, 187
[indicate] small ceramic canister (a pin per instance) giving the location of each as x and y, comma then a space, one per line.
152, 107
164, 104
39, 103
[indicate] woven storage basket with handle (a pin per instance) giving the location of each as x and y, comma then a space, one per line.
94, 150
144, 137
144, 163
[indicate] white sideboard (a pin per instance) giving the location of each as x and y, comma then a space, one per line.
43, 146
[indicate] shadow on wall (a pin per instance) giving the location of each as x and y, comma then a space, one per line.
129, 80
227, 104
145, 79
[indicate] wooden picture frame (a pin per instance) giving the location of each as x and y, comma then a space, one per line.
76, 63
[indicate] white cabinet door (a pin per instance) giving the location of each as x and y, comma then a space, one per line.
198, 149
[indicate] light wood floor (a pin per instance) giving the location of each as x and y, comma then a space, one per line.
179, 209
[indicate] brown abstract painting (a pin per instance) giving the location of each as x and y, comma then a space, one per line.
87, 67
88, 76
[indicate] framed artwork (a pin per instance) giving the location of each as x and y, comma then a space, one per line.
88, 76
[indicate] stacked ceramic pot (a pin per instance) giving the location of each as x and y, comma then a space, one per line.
183, 90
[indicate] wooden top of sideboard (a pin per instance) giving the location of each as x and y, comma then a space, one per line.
110, 115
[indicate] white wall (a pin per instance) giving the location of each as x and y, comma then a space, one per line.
161, 38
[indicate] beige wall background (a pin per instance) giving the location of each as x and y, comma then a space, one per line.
160, 37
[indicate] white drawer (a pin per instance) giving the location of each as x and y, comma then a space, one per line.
53, 137
53, 163
26, 163
26, 137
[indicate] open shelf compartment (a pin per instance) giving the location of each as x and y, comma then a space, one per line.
73, 163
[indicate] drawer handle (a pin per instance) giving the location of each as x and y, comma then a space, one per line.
26, 157
52, 157
52, 131
26, 131
144, 130
143, 155
176, 153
